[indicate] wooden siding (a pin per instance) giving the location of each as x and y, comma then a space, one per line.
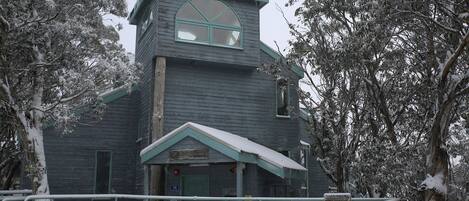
235, 100
71, 158
144, 54
248, 13
318, 182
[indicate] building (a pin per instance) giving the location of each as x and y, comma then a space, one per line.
203, 121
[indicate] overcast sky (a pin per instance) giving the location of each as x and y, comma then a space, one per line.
272, 25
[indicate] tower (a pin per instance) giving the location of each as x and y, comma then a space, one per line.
200, 61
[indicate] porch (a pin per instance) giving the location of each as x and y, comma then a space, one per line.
204, 161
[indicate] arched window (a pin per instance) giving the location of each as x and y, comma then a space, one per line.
208, 22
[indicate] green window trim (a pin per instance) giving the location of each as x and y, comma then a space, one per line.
96, 167
287, 98
211, 26
146, 23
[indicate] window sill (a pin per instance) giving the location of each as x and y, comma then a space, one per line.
283, 116
209, 44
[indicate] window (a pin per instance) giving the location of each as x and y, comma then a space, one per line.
148, 19
208, 22
282, 97
103, 172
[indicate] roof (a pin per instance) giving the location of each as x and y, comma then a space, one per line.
141, 3
234, 146
274, 54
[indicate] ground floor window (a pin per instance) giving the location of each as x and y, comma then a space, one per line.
103, 172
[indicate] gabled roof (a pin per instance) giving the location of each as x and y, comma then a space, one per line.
141, 3
233, 146
274, 54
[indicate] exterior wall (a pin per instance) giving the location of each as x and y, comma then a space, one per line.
214, 86
190, 143
144, 53
222, 180
239, 101
71, 158
248, 14
318, 182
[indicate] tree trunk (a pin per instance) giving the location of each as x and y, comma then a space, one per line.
437, 158
34, 144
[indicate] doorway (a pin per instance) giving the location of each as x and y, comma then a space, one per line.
195, 185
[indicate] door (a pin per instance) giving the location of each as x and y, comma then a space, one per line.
195, 185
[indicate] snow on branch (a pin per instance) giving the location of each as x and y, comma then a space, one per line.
451, 60
435, 183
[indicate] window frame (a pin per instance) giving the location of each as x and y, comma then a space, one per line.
211, 26
96, 172
147, 16
287, 95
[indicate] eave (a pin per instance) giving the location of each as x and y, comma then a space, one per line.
274, 54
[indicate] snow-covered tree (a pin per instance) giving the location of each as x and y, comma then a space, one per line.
55, 56
409, 61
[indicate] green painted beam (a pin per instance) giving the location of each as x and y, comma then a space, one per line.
274, 54
146, 157
107, 98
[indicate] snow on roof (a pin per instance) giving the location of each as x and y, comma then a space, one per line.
236, 142
304, 143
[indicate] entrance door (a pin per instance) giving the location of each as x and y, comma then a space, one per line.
195, 185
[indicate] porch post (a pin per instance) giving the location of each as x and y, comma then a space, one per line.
146, 179
239, 178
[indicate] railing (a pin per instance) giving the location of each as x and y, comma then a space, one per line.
116, 197
14, 193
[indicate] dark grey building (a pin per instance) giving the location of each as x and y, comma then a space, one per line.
203, 121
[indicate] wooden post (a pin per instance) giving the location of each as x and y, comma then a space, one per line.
239, 179
146, 178
156, 186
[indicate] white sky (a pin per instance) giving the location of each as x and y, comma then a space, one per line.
272, 25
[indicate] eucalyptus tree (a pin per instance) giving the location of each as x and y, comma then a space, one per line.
55, 56
409, 59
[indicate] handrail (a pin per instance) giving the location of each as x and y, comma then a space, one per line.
9, 192
196, 198
14, 198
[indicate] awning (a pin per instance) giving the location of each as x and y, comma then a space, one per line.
233, 146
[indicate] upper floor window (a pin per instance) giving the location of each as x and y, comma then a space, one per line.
208, 22
282, 98
147, 20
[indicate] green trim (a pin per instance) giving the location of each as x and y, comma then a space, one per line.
274, 54
214, 144
262, 3
110, 169
272, 168
140, 4
276, 99
118, 93
211, 26
107, 98
304, 114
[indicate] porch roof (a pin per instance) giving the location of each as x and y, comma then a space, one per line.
233, 146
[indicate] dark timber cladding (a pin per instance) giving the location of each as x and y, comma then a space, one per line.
71, 158
241, 101
248, 14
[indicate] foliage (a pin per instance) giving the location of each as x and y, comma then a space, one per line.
385, 80
56, 56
